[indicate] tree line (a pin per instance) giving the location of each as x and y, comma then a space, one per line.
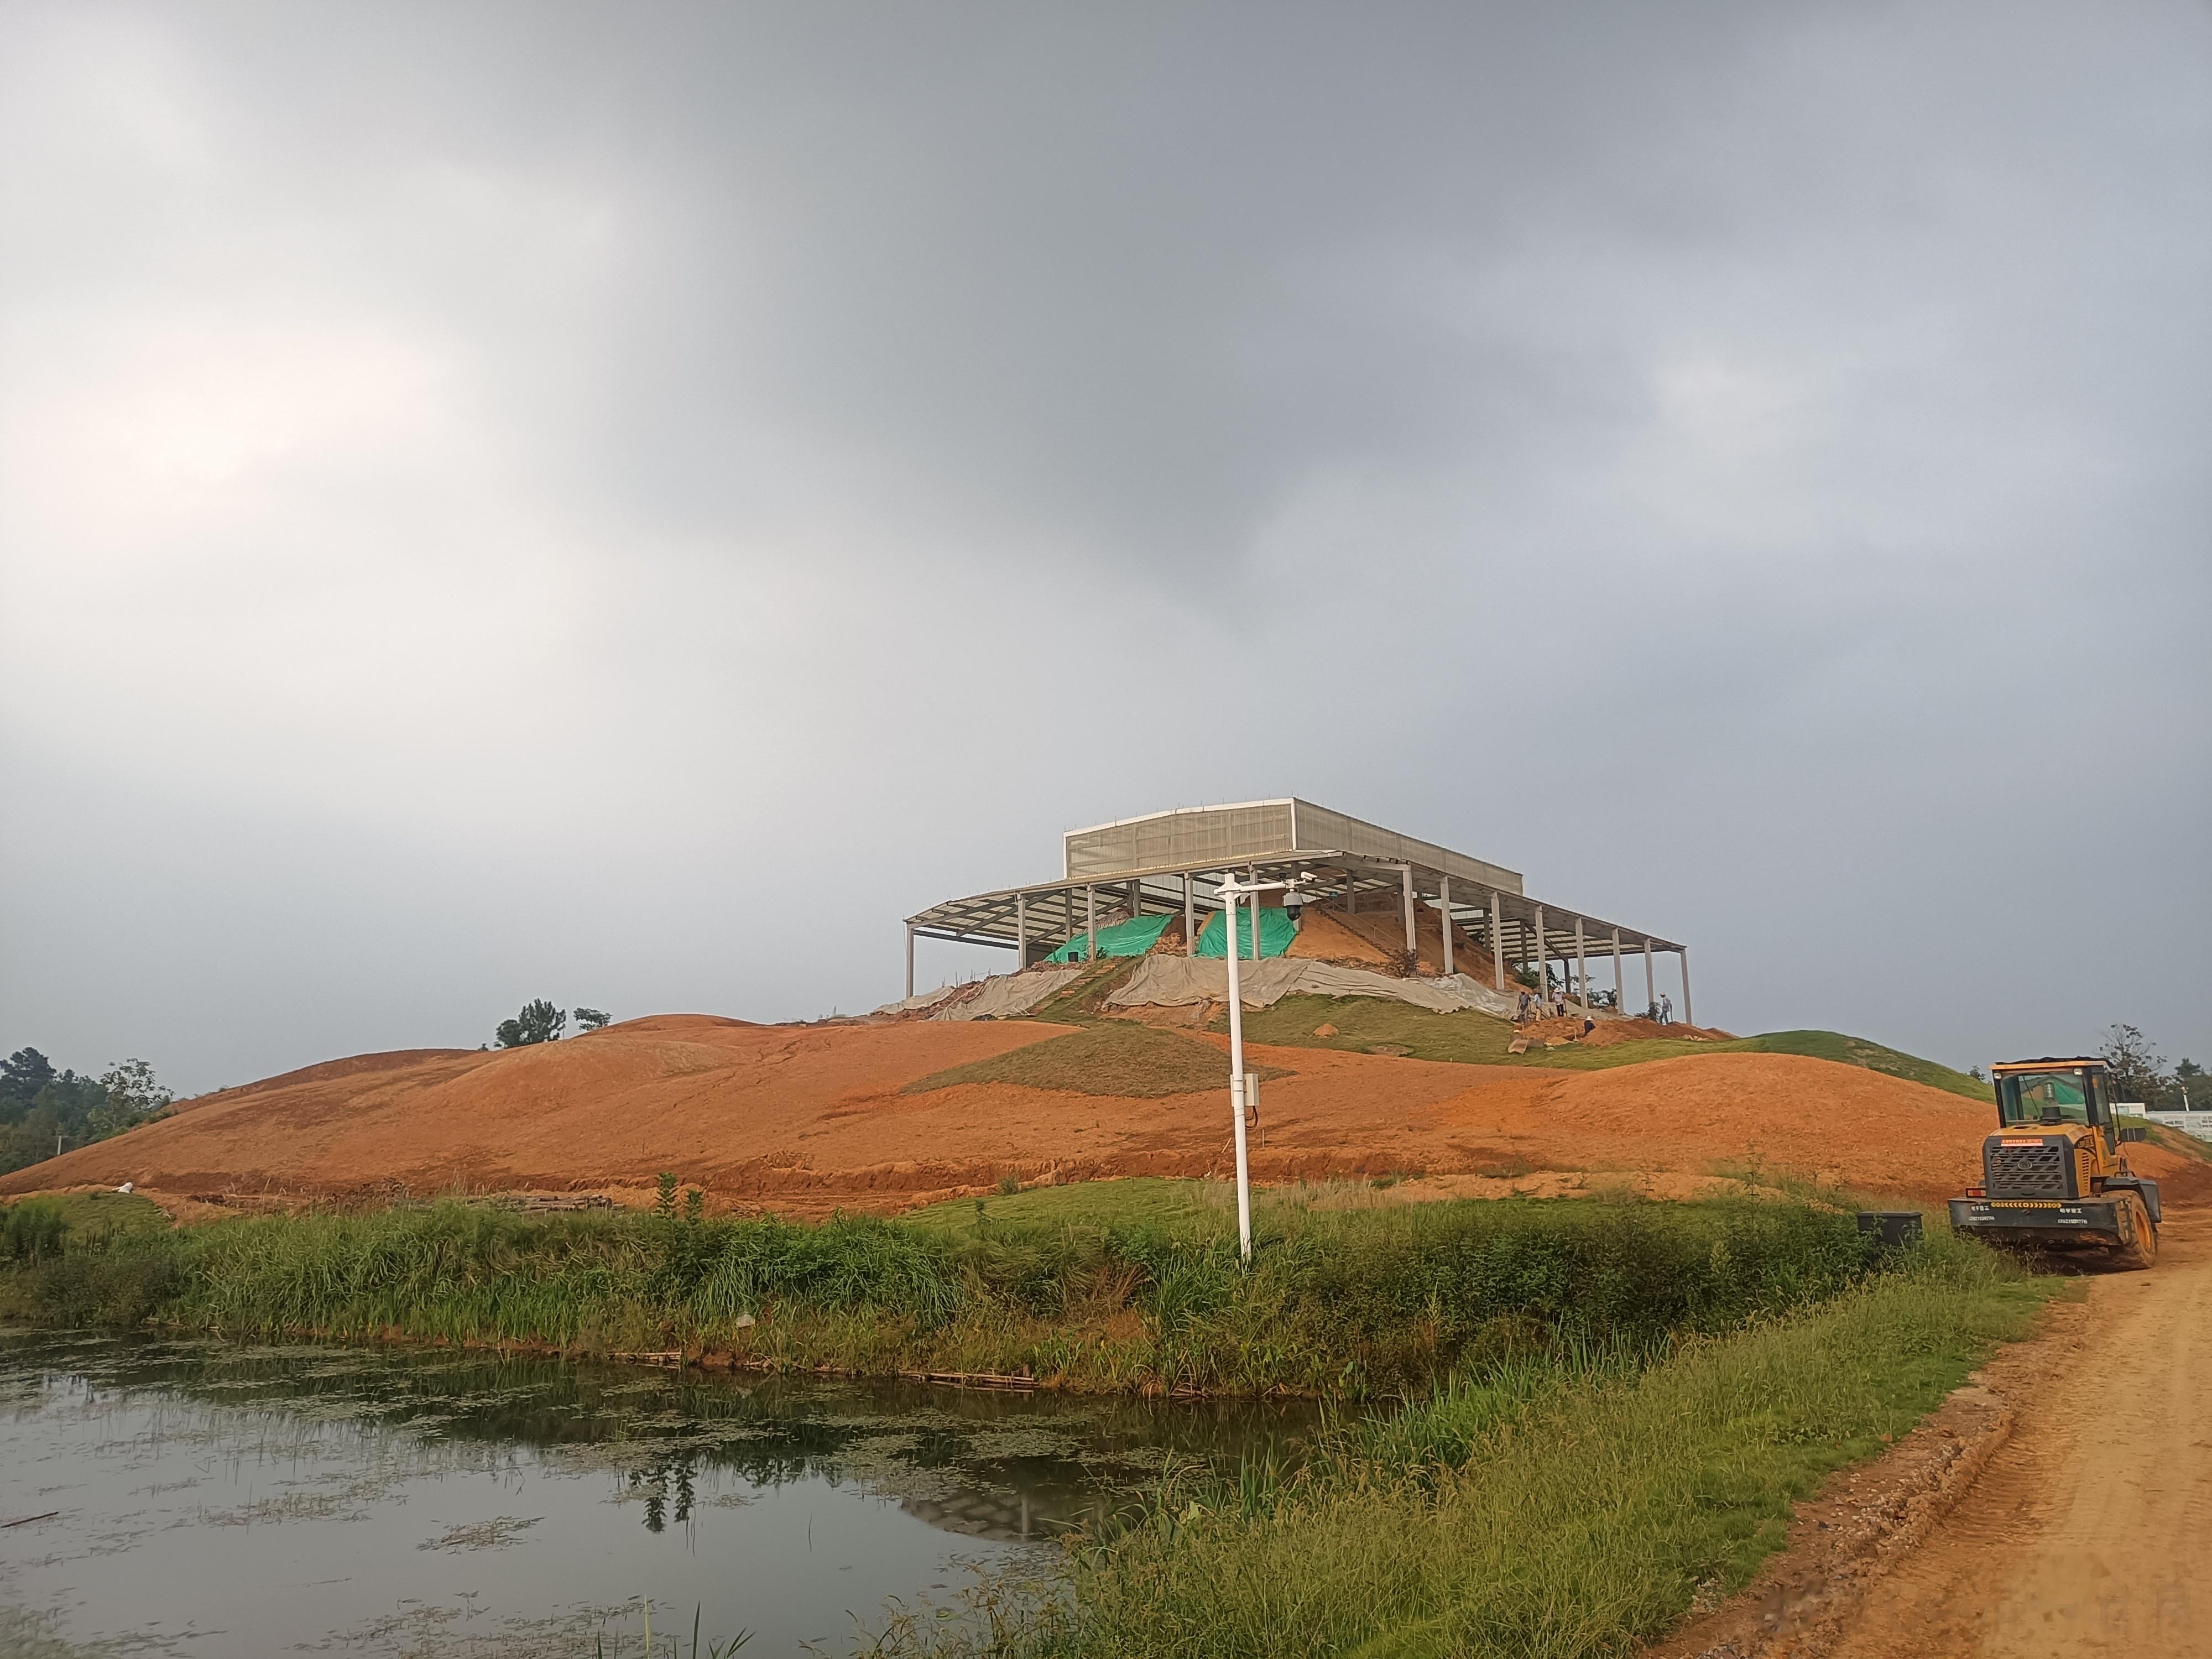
43, 1109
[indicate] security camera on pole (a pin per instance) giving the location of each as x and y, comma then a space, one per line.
1241, 1088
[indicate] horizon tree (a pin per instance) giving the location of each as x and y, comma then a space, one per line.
538, 1022
2189, 1078
2138, 1069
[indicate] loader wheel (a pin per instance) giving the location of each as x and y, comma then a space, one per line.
2138, 1238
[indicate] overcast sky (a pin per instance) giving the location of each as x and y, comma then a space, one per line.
624, 503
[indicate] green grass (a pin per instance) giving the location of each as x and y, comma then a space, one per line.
1082, 1001
1365, 1023
36, 1228
1857, 1051
2173, 1140
1148, 1297
1094, 1204
1558, 1506
1113, 1057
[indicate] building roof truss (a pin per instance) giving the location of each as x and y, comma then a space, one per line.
991, 918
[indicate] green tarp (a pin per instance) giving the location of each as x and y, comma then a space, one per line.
1123, 938
1276, 930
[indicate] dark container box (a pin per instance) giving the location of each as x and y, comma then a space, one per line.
1895, 1226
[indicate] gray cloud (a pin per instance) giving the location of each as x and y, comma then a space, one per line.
627, 504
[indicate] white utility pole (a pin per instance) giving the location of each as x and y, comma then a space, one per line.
1229, 893
1239, 1088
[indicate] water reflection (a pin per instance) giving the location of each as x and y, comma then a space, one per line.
445, 1503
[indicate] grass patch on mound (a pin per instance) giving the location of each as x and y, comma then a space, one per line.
1096, 1204
1558, 1505
1364, 1023
1354, 1303
1084, 1000
1470, 1038
1857, 1051
34, 1229
2173, 1140
1114, 1057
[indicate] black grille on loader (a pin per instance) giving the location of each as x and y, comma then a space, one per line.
2027, 1171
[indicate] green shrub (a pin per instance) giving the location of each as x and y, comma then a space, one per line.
32, 1230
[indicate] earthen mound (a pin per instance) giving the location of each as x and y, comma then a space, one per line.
807, 1118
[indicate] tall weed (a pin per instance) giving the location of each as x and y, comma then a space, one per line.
32, 1230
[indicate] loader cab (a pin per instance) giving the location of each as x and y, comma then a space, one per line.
2047, 1093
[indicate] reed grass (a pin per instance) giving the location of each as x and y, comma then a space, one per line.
33, 1231
1358, 1304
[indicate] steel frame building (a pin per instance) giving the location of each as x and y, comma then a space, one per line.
1165, 862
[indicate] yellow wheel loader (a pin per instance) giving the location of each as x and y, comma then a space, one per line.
2053, 1175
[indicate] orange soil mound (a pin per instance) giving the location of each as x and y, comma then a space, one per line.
805, 1118
1376, 938
1329, 936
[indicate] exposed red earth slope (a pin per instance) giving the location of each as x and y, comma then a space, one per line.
805, 1118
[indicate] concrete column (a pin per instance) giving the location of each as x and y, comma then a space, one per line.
1067, 913
909, 961
1543, 959
1351, 892
1091, 924
1619, 990
1443, 910
1189, 919
1650, 989
1136, 899
1582, 964
1021, 933
1497, 941
1683, 957
1406, 891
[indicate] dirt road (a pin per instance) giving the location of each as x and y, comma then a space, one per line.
2090, 1530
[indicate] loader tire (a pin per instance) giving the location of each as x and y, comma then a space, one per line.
2138, 1238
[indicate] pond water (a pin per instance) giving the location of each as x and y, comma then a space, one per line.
206, 1498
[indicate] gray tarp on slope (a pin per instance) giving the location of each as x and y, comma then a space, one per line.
915, 1005
1006, 996
1171, 982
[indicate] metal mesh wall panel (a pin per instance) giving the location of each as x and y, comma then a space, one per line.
1224, 836
1217, 835
1318, 827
